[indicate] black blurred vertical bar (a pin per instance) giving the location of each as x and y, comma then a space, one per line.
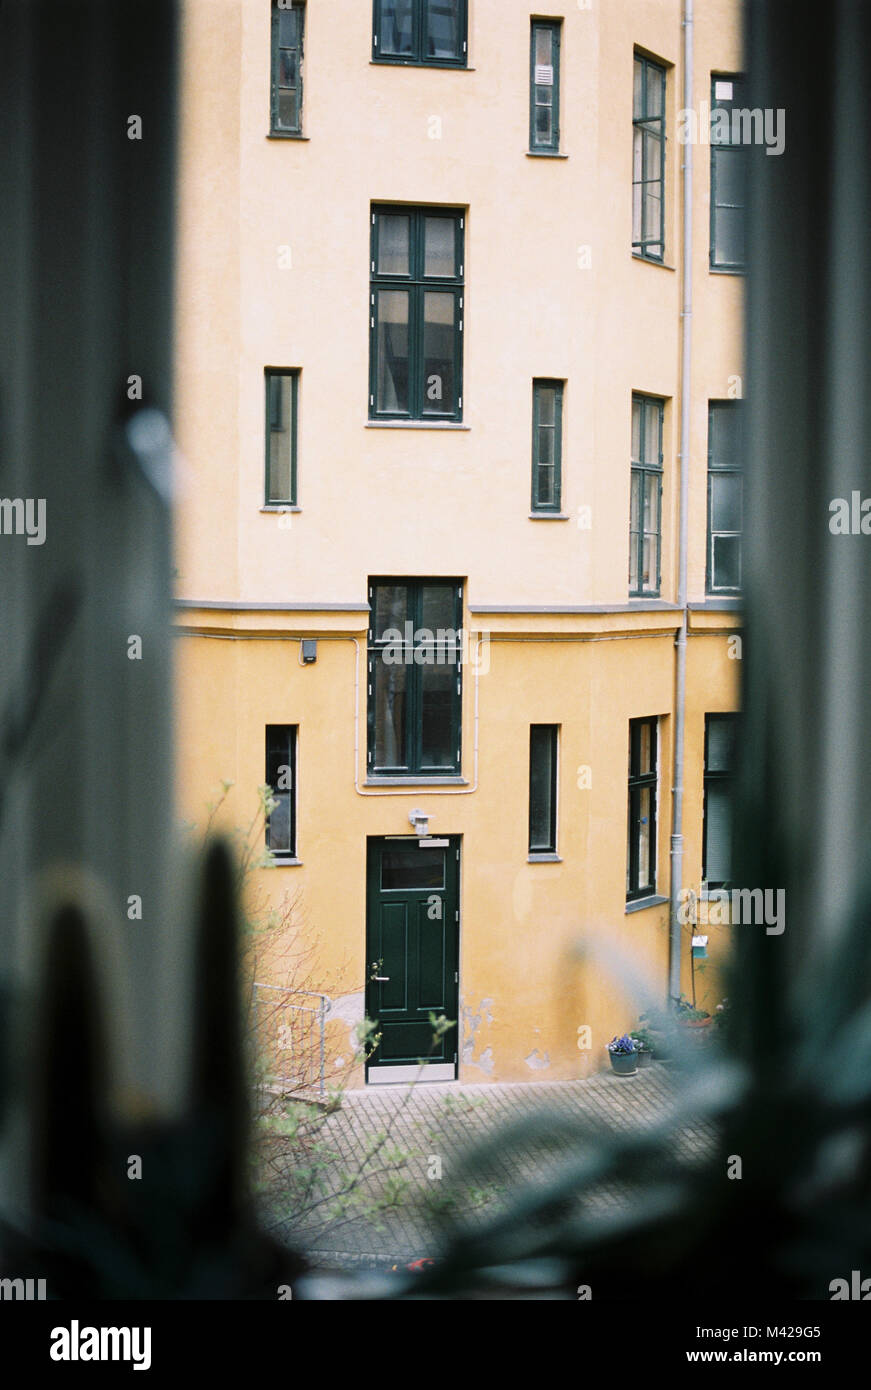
805, 824
86, 289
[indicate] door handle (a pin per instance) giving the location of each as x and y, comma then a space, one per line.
379, 979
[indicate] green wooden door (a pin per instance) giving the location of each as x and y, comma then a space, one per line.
412, 949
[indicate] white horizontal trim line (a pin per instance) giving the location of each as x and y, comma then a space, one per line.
639, 605
255, 606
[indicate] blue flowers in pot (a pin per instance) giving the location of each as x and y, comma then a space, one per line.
624, 1055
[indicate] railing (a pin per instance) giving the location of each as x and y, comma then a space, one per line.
289, 1038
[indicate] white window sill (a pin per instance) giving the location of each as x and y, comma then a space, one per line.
416, 425
638, 904
413, 63
415, 782
543, 858
651, 260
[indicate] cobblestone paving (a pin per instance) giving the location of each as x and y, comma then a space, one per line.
436, 1121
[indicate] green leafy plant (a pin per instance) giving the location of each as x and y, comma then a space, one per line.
644, 1039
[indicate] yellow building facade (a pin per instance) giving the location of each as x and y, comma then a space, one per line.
431, 365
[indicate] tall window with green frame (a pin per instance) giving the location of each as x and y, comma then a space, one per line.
645, 504
547, 434
648, 159
288, 24
725, 496
416, 314
282, 405
544, 79
427, 32
415, 677
281, 742
728, 175
720, 732
641, 856
543, 763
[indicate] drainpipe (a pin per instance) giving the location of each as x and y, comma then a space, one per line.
675, 932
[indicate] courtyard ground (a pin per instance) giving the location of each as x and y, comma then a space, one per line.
423, 1134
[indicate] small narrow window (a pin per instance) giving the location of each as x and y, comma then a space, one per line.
544, 78
645, 505
547, 412
648, 160
720, 731
282, 392
725, 496
728, 173
288, 22
641, 859
543, 744
281, 778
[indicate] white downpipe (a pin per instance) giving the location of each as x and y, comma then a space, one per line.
675, 929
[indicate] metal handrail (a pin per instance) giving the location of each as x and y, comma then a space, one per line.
321, 1012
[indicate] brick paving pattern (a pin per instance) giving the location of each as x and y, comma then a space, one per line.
440, 1121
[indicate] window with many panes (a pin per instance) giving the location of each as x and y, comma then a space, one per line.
725, 496
543, 761
544, 75
282, 406
728, 174
720, 731
645, 503
281, 779
547, 431
641, 858
288, 23
648, 159
416, 314
432, 32
415, 677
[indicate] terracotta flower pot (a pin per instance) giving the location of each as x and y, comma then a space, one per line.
697, 1030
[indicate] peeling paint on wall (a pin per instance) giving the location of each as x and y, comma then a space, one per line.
349, 1009
536, 1062
471, 1024
485, 1061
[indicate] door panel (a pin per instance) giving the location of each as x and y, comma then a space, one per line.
393, 952
412, 948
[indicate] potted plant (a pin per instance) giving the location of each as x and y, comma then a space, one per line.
644, 1046
624, 1055
655, 1029
695, 1021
